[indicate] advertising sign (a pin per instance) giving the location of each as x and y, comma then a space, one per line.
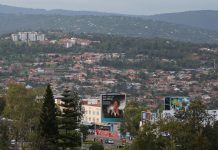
176, 103
107, 134
146, 116
112, 107
143, 116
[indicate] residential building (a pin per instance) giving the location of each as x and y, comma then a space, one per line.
92, 113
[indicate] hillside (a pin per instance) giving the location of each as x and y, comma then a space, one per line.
121, 25
175, 26
206, 19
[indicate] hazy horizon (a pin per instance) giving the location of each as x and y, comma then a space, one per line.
133, 7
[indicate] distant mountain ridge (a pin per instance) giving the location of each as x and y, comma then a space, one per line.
14, 19
4, 9
207, 19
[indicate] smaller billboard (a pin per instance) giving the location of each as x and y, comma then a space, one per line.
146, 116
143, 116
112, 107
176, 103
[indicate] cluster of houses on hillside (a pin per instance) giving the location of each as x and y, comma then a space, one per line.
86, 73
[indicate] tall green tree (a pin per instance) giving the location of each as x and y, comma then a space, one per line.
193, 122
131, 122
22, 107
69, 120
48, 124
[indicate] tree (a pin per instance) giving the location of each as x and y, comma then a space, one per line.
48, 124
145, 139
2, 105
212, 135
193, 121
84, 130
131, 122
69, 120
4, 135
190, 129
23, 109
96, 146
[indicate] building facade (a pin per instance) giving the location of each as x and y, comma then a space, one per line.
92, 113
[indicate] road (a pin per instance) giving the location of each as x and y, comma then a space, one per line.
98, 138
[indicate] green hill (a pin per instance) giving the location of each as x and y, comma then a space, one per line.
120, 25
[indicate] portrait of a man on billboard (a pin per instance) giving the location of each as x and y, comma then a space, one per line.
114, 110
112, 107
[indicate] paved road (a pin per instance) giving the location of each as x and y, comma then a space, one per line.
116, 141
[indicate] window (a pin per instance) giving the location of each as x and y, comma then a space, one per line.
97, 112
93, 112
90, 112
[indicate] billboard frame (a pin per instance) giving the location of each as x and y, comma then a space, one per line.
175, 108
111, 120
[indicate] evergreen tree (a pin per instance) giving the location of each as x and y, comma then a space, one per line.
4, 136
48, 124
70, 118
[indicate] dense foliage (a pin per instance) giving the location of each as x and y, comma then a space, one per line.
150, 54
190, 130
22, 111
131, 122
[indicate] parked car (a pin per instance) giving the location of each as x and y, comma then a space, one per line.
109, 141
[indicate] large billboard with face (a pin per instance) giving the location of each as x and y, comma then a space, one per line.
176, 103
112, 107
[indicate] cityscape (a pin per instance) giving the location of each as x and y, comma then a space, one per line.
84, 84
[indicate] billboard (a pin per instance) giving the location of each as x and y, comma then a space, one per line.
107, 134
143, 116
112, 107
148, 116
176, 103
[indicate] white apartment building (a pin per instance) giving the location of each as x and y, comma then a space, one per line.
23, 36
92, 113
90, 107
32, 36
40, 37
28, 36
14, 37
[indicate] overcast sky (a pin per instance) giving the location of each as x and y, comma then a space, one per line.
139, 7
